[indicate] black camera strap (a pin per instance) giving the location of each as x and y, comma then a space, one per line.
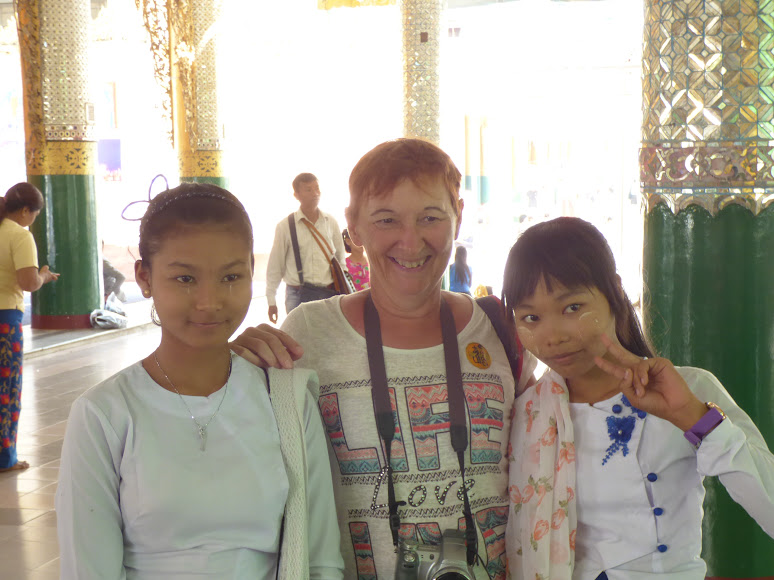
386, 423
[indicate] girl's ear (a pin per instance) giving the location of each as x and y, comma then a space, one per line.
142, 276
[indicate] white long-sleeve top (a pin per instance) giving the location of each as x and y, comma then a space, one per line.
639, 513
139, 499
282, 260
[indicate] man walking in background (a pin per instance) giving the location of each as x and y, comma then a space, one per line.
311, 279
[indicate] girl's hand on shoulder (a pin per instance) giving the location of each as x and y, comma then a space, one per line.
653, 385
267, 347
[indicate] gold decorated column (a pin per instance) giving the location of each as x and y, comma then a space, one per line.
198, 124
61, 156
707, 171
421, 68
184, 38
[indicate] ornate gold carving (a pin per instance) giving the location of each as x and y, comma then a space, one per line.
155, 15
64, 49
328, 4
183, 56
70, 132
708, 106
200, 163
206, 14
28, 23
421, 62
62, 158
755, 202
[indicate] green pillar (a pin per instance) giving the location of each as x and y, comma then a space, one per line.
706, 169
61, 157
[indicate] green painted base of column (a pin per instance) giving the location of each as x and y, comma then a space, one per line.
219, 181
710, 304
469, 182
66, 236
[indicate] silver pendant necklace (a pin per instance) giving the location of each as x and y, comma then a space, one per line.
202, 429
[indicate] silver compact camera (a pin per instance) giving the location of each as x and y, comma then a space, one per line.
446, 561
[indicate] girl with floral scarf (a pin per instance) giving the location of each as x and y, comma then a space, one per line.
610, 447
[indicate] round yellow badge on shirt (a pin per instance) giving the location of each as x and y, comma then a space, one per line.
478, 355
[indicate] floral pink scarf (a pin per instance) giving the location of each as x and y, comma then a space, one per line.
540, 537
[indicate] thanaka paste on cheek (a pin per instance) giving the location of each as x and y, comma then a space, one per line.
526, 335
588, 325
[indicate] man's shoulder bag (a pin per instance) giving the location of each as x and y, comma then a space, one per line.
342, 284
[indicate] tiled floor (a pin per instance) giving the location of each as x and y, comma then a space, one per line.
28, 544
55, 373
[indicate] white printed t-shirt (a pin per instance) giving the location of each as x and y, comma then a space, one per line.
425, 467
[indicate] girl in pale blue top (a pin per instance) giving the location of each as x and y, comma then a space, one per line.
186, 464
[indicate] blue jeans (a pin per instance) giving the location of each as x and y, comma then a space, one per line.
292, 298
300, 294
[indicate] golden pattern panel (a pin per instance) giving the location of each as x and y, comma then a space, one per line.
707, 70
155, 17
64, 46
62, 158
183, 57
421, 62
201, 164
755, 202
328, 4
206, 14
708, 101
28, 24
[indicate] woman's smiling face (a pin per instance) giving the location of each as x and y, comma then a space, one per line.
408, 236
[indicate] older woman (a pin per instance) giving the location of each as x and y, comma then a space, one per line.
405, 210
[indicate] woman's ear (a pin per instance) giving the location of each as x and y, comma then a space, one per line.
460, 206
142, 276
352, 230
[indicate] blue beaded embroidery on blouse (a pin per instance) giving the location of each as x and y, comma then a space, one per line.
620, 430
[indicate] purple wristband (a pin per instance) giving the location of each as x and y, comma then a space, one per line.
711, 419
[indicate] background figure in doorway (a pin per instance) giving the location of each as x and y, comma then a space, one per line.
460, 274
357, 263
317, 281
18, 272
113, 279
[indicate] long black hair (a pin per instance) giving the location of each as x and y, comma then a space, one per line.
573, 253
462, 271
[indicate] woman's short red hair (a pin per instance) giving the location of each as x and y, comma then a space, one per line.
385, 166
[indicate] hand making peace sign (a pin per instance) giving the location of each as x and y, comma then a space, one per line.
653, 385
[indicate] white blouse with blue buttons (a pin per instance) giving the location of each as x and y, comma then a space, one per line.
639, 484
